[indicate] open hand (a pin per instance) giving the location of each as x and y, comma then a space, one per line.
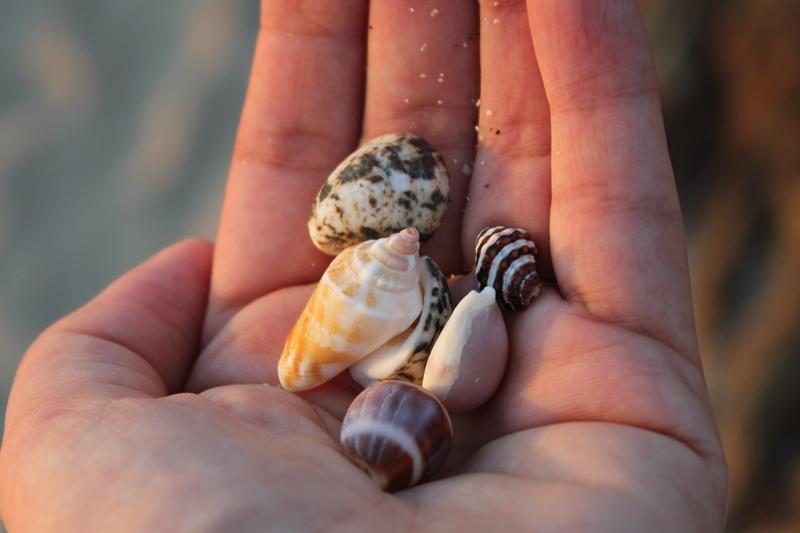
146, 409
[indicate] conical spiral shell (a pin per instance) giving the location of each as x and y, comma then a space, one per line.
398, 433
369, 294
403, 357
505, 259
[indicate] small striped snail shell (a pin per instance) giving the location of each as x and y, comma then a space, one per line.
505, 259
398, 432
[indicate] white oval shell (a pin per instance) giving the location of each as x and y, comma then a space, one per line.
404, 356
392, 182
359, 304
468, 360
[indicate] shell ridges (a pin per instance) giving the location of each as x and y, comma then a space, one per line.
505, 259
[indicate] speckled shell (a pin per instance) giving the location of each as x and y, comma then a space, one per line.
398, 433
392, 182
369, 294
404, 356
505, 259
468, 361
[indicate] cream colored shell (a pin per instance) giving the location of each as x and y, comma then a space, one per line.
369, 294
404, 356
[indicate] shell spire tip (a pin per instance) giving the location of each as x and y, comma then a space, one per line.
405, 242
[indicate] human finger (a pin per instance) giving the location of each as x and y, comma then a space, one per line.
302, 115
616, 232
138, 338
422, 77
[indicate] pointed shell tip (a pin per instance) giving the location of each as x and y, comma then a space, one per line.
405, 242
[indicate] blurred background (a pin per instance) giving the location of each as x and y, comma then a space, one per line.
117, 121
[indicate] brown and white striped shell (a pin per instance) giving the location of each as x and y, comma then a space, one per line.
398, 433
404, 357
505, 259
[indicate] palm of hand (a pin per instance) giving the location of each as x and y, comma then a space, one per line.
602, 421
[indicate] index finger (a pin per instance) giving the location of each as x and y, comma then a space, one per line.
301, 117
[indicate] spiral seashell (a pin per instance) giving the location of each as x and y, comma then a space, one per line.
369, 294
392, 182
398, 433
505, 259
468, 361
404, 356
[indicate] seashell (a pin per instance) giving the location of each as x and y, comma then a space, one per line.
505, 259
369, 294
397, 432
404, 356
468, 361
392, 182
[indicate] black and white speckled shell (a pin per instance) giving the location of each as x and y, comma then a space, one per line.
404, 357
505, 259
392, 182
398, 433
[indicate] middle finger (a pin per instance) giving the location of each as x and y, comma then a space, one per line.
422, 77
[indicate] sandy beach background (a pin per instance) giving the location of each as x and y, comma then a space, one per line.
117, 122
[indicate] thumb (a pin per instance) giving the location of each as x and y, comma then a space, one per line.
137, 338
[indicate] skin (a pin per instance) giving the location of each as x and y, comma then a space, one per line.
146, 409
